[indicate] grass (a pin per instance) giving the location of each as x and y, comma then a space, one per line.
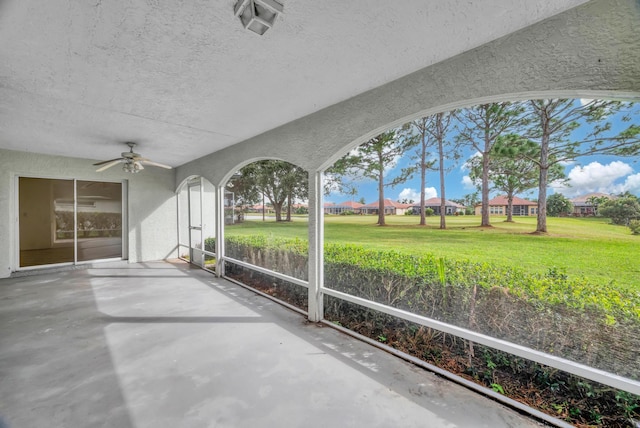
589, 247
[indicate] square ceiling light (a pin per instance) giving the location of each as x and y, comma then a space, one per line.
257, 15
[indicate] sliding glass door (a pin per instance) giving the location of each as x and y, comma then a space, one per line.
99, 225
46, 226
68, 221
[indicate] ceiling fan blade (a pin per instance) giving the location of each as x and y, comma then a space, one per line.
107, 161
109, 165
133, 162
148, 162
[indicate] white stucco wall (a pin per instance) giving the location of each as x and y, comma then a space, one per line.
152, 210
590, 51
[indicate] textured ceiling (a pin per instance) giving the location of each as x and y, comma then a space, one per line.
184, 79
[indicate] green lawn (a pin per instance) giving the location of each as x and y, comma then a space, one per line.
588, 247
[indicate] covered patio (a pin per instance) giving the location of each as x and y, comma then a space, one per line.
162, 344
141, 340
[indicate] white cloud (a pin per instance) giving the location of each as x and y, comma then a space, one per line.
414, 195
631, 184
596, 177
430, 192
468, 183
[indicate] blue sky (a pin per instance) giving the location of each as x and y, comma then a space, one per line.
606, 174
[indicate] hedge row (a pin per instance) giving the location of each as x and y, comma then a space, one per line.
552, 288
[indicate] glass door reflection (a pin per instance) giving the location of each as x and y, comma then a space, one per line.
55, 215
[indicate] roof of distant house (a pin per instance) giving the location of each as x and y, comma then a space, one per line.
436, 202
583, 200
502, 201
350, 204
388, 203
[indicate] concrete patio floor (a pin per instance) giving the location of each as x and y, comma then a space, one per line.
166, 345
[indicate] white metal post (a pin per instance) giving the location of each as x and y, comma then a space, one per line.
201, 198
178, 213
75, 221
316, 246
124, 227
219, 220
189, 208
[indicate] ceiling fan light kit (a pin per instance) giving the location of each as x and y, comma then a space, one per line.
132, 167
133, 162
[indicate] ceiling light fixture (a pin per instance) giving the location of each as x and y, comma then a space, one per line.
257, 15
132, 167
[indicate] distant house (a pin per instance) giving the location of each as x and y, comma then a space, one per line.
582, 205
499, 204
390, 208
333, 208
296, 207
434, 203
259, 208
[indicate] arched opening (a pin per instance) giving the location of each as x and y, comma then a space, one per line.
483, 285
266, 227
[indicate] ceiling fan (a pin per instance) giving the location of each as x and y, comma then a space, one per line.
133, 162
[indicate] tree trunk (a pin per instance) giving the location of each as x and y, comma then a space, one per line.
289, 207
423, 181
510, 207
541, 226
381, 221
443, 221
485, 191
277, 208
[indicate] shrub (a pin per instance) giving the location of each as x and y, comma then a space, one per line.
428, 212
210, 244
558, 205
621, 210
634, 225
